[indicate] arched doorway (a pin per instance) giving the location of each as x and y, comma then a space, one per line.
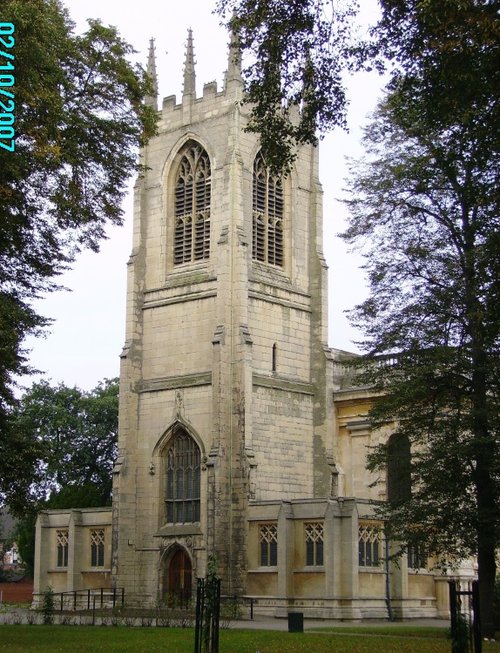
179, 577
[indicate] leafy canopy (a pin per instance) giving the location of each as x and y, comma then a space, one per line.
424, 210
295, 53
60, 454
63, 448
80, 117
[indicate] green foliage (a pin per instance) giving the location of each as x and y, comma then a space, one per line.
48, 606
79, 122
211, 604
444, 53
25, 537
293, 54
424, 210
63, 444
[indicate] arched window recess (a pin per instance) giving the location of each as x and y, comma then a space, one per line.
267, 214
193, 186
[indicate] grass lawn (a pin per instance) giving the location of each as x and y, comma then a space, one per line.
97, 639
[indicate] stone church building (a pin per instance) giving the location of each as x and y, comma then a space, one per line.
240, 435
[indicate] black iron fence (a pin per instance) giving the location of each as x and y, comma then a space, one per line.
465, 618
88, 599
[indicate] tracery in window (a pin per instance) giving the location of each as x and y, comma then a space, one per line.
268, 538
62, 539
192, 206
97, 548
369, 545
267, 215
314, 544
182, 463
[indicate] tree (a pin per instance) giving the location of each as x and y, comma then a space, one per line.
297, 52
65, 443
424, 209
445, 52
79, 119
62, 454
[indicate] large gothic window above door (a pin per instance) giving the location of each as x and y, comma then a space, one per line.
192, 205
182, 468
267, 214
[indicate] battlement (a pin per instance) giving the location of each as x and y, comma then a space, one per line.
191, 108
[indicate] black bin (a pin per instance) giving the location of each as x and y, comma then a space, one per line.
295, 622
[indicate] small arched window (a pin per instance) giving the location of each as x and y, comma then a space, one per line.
267, 214
192, 205
182, 470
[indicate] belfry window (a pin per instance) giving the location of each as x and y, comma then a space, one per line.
182, 461
267, 214
192, 206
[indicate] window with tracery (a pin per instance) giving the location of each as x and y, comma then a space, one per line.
182, 462
192, 206
267, 214
268, 537
62, 539
369, 545
314, 544
97, 548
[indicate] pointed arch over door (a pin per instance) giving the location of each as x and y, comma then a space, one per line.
178, 579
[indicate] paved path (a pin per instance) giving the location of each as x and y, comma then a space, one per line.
261, 622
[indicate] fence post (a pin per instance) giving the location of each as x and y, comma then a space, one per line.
453, 615
199, 615
216, 617
476, 623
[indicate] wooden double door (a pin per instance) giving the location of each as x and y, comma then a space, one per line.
179, 578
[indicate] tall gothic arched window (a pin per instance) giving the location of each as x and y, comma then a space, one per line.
192, 205
398, 468
182, 469
267, 214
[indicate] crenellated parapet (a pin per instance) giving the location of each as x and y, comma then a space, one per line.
191, 109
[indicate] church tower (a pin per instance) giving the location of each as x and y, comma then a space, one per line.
225, 391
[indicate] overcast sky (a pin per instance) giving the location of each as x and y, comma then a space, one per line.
87, 335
